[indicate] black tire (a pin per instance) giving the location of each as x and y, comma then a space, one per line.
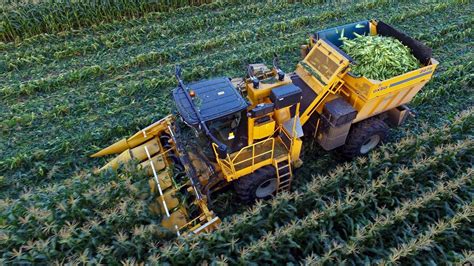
364, 137
246, 186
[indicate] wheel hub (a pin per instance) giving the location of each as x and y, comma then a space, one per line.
266, 188
369, 144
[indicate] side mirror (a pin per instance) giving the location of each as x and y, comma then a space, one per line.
251, 74
276, 66
222, 151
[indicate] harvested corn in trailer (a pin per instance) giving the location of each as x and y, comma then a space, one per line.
379, 57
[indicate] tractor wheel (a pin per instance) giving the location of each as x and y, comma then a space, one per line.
260, 184
364, 137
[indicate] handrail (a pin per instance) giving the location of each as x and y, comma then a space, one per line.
288, 136
230, 163
253, 156
253, 147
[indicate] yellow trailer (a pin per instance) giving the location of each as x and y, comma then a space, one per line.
324, 74
249, 131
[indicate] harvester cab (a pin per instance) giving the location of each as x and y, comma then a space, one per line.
214, 108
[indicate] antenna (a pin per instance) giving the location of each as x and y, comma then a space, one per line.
251, 73
276, 66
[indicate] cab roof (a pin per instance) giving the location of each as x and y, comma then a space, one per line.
214, 98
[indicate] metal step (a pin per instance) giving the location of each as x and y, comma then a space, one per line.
286, 174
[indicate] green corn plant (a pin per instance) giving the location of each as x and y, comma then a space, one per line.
467, 257
294, 228
69, 47
402, 16
35, 18
148, 29
406, 208
427, 238
397, 181
59, 217
379, 57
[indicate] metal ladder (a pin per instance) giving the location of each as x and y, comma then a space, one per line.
284, 173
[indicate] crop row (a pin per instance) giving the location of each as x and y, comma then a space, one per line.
142, 25
31, 19
143, 57
264, 217
166, 80
426, 239
279, 26
163, 75
179, 51
182, 28
107, 213
339, 216
450, 32
401, 213
86, 73
187, 50
148, 26
24, 55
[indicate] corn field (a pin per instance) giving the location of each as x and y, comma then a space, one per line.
29, 19
74, 78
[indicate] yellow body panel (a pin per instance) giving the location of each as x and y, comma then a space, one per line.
139, 138
176, 219
158, 163
138, 154
170, 199
260, 94
368, 97
282, 115
296, 149
264, 130
323, 69
165, 182
372, 97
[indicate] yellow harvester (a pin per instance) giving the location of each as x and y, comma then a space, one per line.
249, 131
